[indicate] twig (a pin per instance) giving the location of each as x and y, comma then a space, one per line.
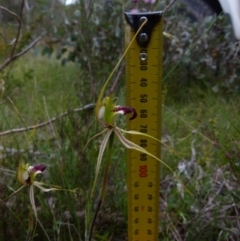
51, 126
13, 151
15, 56
17, 130
169, 5
9, 43
10, 12
19, 29
18, 20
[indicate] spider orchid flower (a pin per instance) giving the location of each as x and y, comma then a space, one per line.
26, 175
106, 111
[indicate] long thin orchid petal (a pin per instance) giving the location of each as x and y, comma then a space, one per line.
19, 189
102, 149
144, 134
139, 133
99, 134
130, 145
40, 186
45, 184
32, 200
100, 155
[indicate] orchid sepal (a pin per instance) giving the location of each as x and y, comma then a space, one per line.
100, 156
131, 145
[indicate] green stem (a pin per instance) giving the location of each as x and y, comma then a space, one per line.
104, 184
31, 225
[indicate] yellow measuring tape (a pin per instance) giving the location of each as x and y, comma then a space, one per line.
143, 92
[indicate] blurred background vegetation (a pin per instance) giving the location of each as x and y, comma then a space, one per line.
80, 45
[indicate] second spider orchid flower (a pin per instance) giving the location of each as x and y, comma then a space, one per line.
26, 175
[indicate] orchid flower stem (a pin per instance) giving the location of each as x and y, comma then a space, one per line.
30, 229
104, 184
29, 235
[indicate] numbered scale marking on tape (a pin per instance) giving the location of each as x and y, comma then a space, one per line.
143, 92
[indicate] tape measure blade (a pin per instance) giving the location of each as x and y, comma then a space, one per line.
143, 92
